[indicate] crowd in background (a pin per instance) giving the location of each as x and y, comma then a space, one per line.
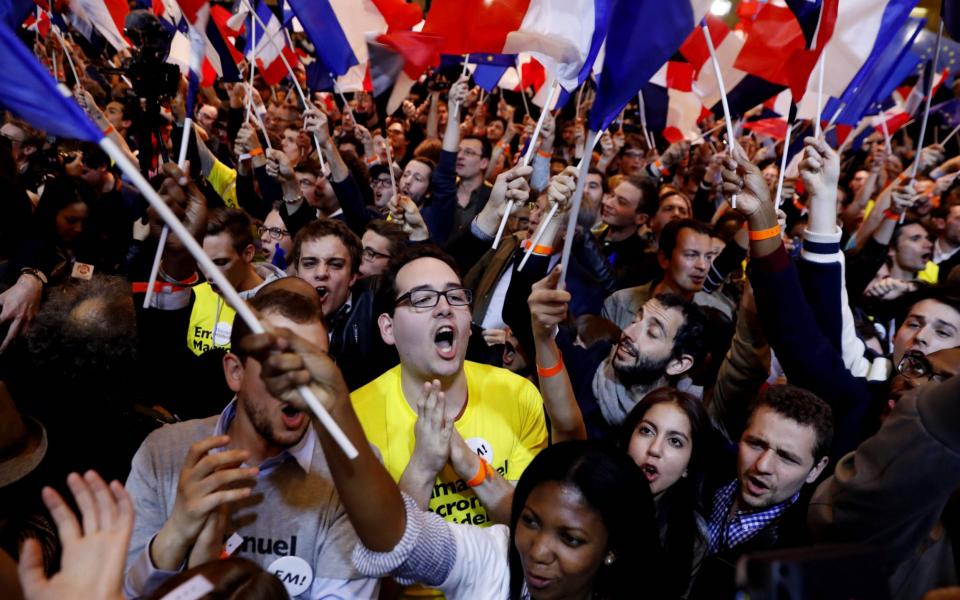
721, 371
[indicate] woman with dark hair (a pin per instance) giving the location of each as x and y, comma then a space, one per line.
668, 435
61, 230
581, 526
582, 520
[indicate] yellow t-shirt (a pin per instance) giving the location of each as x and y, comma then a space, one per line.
503, 422
223, 180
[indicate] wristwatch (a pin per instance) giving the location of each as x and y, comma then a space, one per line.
36, 273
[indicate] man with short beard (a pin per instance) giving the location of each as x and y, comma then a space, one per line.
664, 342
255, 470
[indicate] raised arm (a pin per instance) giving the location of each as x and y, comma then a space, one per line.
548, 308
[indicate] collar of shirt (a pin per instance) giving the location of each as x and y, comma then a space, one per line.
729, 531
302, 452
939, 255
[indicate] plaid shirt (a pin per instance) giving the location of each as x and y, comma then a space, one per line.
729, 532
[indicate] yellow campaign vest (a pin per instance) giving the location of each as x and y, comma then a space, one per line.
931, 273
211, 321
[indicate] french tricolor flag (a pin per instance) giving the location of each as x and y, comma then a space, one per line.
270, 43
563, 36
642, 36
339, 29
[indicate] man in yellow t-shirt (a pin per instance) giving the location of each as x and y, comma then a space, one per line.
425, 313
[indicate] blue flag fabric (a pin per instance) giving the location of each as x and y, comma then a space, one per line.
14, 12
488, 76
642, 35
886, 68
320, 23
925, 45
30, 92
949, 112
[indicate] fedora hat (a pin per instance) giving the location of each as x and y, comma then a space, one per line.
23, 441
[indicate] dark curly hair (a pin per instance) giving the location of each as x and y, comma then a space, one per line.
690, 337
804, 407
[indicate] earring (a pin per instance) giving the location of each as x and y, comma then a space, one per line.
609, 559
684, 473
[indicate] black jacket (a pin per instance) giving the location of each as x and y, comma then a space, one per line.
355, 340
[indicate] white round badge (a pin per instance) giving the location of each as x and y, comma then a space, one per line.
293, 572
221, 333
482, 447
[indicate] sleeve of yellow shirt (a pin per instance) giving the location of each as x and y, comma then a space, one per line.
223, 179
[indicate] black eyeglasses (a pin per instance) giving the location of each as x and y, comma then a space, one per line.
275, 232
916, 366
430, 298
369, 254
384, 181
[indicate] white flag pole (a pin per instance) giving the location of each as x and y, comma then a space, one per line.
886, 133
528, 155
926, 109
817, 131
196, 58
226, 289
647, 136
731, 139
926, 112
783, 167
950, 135
523, 90
303, 98
66, 52
574, 211
542, 227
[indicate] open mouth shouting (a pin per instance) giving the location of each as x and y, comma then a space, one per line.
650, 472
445, 341
292, 418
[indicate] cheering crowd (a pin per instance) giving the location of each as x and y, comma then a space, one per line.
726, 364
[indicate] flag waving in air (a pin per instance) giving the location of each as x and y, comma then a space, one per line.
271, 42
339, 28
785, 42
642, 35
29, 92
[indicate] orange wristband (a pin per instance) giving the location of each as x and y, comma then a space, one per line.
108, 130
890, 215
764, 234
544, 373
544, 154
481, 475
256, 152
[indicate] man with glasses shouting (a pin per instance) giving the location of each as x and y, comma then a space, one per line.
276, 243
425, 313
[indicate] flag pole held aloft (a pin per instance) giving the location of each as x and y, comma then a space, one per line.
574, 211
528, 155
731, 140
28, 90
